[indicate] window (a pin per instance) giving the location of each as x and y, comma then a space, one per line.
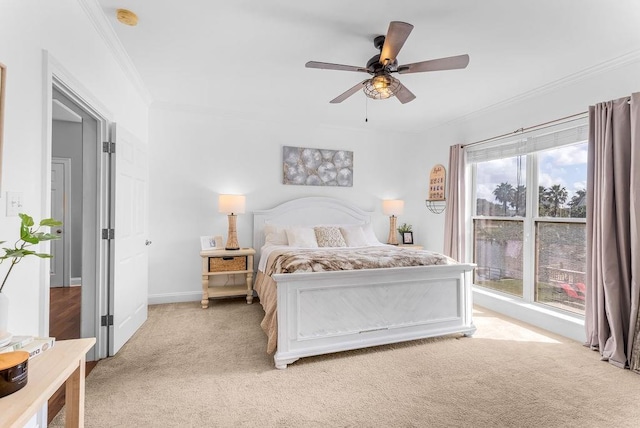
529, 216
560, 227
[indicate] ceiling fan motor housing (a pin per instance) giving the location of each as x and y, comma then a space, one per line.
378, 42
374, 66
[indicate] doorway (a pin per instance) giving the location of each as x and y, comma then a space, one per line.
112, 237
75, 197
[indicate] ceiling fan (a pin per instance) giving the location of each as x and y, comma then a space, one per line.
382, 85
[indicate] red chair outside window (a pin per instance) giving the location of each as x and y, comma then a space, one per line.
571, 292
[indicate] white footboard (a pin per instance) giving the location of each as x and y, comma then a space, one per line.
324, 312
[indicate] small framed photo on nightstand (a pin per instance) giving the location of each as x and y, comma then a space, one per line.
407, 238
210, 242
207, 243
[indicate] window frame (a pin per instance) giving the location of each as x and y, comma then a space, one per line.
529, 221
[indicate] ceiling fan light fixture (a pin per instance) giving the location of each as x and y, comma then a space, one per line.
381, 87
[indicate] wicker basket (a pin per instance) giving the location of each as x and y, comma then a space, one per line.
227, 264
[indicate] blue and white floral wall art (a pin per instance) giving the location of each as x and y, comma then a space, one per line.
317, 167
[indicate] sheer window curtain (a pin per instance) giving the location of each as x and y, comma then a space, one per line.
454, 214
613, 222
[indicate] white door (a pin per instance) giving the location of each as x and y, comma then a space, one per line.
129, 284
60, 248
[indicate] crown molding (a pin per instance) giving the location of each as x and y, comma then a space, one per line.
97, 17
621, 61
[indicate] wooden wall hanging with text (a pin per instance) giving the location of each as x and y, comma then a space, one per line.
437, 180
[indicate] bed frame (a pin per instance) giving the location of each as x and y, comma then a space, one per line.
325, 312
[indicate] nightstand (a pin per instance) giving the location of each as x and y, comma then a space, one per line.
411, 246
227, 262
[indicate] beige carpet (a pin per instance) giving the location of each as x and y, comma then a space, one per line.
189, 367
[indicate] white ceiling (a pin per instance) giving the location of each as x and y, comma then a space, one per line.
247, 56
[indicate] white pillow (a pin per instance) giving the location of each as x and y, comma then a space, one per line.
370, 234
275, 235
354, 236
304, 237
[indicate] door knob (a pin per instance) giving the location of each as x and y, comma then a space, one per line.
147, 242
59, 231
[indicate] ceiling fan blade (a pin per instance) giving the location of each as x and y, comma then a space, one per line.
396, 36
449, 63
404, 95
330, 66
340, 98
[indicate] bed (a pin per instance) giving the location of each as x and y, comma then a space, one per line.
314, 313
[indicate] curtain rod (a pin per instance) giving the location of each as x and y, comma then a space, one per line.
529, 128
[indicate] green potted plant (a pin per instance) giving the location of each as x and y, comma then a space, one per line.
404, 227
30, 235
406, 233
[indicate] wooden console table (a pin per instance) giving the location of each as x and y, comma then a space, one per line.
64, 363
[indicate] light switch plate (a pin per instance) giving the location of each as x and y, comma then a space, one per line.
14, 203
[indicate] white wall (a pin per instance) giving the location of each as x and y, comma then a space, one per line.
198, 155
549, 104
63, 29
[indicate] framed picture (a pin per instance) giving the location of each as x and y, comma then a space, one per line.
207, 243
3, 79
407, 237
211, 243
317, 167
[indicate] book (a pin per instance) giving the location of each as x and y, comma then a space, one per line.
38, 345
17, 342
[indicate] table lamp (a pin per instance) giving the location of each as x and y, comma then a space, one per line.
231, 205
392, 208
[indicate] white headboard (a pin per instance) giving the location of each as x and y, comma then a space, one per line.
309, 211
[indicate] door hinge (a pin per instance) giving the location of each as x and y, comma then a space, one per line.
106, 320
108, 147
108, 233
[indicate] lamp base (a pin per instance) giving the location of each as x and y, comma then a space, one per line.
393, 238
232, 235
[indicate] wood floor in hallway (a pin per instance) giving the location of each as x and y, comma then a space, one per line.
64, 323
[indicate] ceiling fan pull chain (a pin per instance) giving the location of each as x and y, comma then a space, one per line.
366, 110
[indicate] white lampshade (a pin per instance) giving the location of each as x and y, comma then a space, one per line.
231, 204
392, 207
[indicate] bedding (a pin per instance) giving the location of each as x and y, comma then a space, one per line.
278, 260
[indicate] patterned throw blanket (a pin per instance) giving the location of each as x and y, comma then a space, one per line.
323, 260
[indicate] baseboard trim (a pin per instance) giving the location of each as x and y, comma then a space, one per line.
189, 296
75, 282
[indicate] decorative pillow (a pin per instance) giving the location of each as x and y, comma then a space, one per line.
275, 235
303, 237
354, 236
370, 235
329, 236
